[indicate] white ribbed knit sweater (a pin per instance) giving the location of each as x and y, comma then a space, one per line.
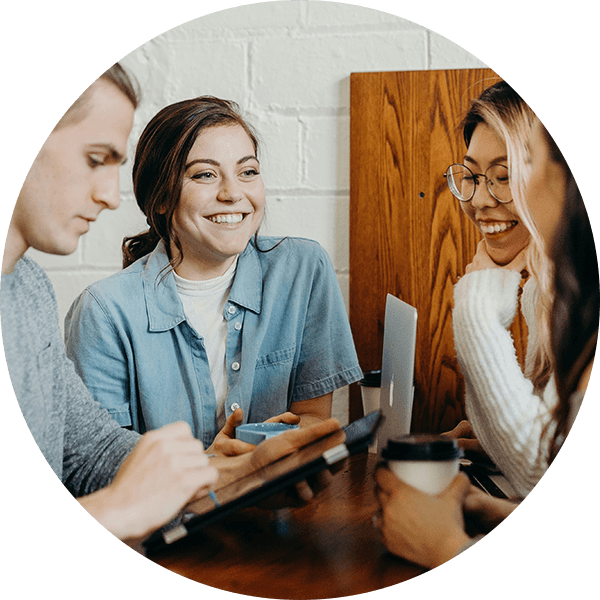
507, 416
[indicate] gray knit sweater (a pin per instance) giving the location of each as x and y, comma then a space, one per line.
80, 440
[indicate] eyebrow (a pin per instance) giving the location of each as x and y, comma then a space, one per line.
115, 155
496, 161
215, 163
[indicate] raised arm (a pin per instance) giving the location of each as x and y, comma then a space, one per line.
507, 415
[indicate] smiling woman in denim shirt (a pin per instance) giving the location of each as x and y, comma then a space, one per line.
210, 323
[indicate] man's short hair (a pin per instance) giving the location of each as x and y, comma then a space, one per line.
116, 75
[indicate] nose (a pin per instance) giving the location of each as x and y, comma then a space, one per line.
230, 191
482, 197
107, 190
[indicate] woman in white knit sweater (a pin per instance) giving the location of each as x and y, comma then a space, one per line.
508, 408
429, 530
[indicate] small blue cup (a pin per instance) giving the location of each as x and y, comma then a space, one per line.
255, 433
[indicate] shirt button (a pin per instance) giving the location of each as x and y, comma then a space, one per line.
231, 309
237, 326
235, 366
234, 407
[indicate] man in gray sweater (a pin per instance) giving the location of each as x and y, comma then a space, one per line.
131, 484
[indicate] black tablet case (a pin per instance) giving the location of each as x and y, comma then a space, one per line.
269, 480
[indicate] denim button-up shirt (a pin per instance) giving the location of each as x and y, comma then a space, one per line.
288, 340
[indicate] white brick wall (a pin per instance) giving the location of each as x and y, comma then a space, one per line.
288, 65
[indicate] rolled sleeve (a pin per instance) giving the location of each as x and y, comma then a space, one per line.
97, 351
327, 358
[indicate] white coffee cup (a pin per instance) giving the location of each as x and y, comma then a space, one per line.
370, 387
426, 462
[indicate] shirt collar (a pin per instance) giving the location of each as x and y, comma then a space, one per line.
248, 283
164, 307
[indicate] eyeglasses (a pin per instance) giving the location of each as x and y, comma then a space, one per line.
463, 182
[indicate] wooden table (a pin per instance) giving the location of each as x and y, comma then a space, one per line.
326, 549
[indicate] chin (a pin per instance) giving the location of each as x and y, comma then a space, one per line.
64, 248
501, 261
503, 257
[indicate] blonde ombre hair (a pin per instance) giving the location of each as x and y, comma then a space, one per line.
507, 114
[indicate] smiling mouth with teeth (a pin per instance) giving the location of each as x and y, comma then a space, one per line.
229, 219
500, 227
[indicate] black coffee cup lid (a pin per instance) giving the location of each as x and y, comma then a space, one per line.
371, 379
421, 447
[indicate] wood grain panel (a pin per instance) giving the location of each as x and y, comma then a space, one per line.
408, 236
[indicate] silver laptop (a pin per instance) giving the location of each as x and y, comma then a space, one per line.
397, 384
397, 370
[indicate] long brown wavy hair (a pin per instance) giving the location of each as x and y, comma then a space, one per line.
576, 307
159, 166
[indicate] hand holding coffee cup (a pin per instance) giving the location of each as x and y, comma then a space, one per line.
426, 462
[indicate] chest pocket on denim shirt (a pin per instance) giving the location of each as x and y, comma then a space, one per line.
271, 382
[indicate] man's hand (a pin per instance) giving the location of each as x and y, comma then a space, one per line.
165, 470
425, 529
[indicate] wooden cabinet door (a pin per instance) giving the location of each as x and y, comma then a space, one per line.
408, 235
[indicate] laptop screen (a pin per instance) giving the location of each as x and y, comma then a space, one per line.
397, 371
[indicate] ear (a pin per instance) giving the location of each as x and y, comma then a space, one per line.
162, 210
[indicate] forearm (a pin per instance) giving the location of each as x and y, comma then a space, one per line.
308, 420
506, 415
314, 410
121, 521
516, 440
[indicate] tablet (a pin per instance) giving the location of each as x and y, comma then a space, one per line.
481, 477
268, 480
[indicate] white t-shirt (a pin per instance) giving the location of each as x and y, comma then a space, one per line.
204, 305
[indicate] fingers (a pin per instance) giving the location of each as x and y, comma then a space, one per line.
175, 443
205, 478
462, 430
235, 418
290, 441
177, 430
459, 488
387, 482
473, 499
179, 457
232, 447
304, 491
319, 481
465, 430
287, 417
300, 437
469, 444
